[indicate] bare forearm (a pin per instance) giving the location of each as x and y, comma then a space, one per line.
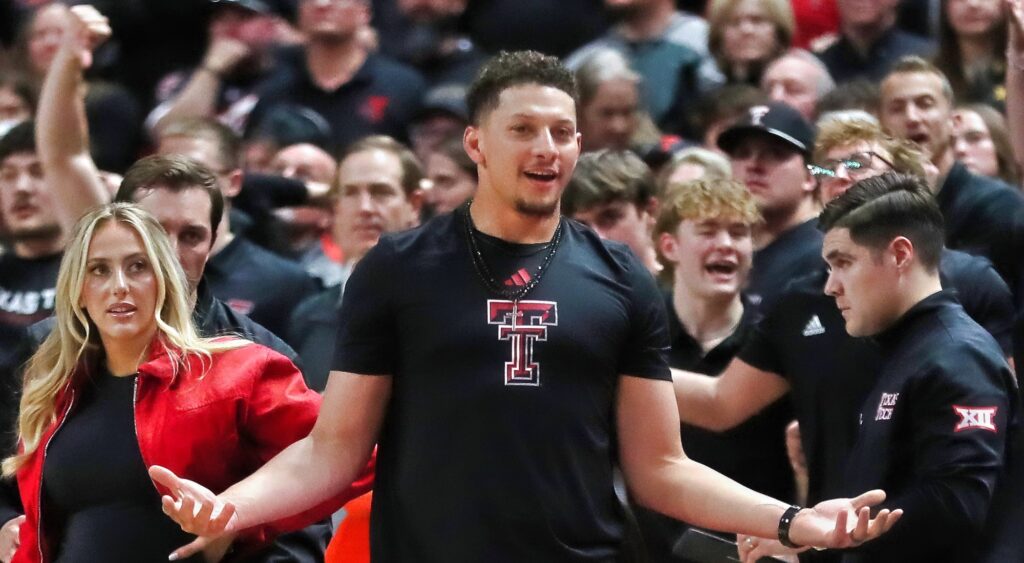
698, 400
197, 99
699, 495
302, 476
62, 140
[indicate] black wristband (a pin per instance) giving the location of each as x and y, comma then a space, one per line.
784, 522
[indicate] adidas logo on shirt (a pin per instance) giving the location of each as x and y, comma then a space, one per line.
814, 327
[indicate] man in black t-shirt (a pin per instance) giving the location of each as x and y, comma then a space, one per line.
506, 359
769, 148
28, 270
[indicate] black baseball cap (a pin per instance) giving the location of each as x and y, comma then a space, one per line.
445, 99
776, 120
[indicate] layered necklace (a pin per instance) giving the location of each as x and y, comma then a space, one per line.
483, 272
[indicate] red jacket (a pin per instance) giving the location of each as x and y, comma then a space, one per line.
214, 428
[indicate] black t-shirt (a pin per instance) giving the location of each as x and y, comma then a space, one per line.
499, 440
933, 434
803, 338
258, 283
27, 291
985, 217
794, 254
99, 503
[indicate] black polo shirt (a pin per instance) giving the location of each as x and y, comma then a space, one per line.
846, 63
933, 433
752, 454
258, 283
803, 338
984, 216
794, 254
381, 98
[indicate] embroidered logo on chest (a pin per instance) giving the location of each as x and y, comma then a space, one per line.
886, 405
522, 323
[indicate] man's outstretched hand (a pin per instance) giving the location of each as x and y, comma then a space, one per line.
196, 509
842, 523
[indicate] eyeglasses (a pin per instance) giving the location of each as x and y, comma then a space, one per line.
857, 165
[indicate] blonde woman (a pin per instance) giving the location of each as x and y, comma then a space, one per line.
746, 35
124, 382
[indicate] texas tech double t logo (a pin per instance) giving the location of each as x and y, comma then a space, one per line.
522, 323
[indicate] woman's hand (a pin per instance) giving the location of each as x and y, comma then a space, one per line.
751, 549
197, 510
10, 538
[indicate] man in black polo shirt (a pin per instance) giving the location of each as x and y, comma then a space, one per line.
501, 408
357, 91
935, 427
704, 236
982, 214
769, 148
800, 346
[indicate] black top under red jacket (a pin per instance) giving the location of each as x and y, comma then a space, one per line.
934, 433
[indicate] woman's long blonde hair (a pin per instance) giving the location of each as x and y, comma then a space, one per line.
74, 343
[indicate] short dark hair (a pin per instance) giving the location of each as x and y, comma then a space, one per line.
879, 209
412, 170
21, 138
515, 68
228, 143
605, 176
174, 173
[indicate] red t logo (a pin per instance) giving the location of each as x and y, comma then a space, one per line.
523, 324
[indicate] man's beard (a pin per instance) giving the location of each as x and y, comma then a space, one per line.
537, 210
34, 234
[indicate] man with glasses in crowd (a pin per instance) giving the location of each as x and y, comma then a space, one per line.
801, 346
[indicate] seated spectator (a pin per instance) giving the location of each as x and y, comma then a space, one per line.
240, 35
705, 242
123, 333
452, 176
334, 74
612, 192
717, 111
377, 191
869, 42
113, 114
694, 163
426, 35
799, 79
305, 229
253, 281
982, 143
284, 125
17, 101
443, 114
667, 48
860, 94
556, 28
609, 100
972, 50
746, 35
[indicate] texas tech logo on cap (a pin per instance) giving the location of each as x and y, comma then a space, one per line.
980, 418
522, 324
757, 113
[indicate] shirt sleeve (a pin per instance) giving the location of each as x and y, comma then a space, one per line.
646, 349
367, 335
959, 435
758, 348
